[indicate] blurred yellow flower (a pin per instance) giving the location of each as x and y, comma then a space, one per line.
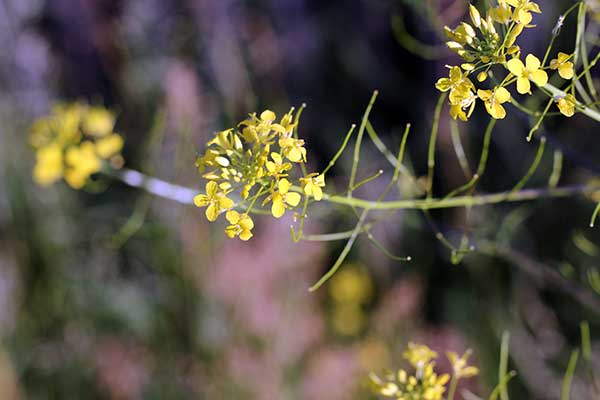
241, 225
82, 161
493, 101
109, 145
98, 121
460, 367
525, 72
293, 149
215, 201
49, 165
563, 65
419, 355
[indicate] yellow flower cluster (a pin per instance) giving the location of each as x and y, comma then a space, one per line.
72, 143
484, 45
424, 383
255, 161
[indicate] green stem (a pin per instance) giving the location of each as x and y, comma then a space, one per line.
533, 167
358, 144
595, 215
340, 150
432, 142
565, 393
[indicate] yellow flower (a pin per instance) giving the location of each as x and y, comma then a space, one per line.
215, 200
293, 149
98, 121
523, 10
459, 365
312, 184
82, 162
494, 100
501, 14
259, 129
49, 164
462, 34
530, 71
566, 105
283, 198
109, 145
563, 65
241, 225
418, 355
457, 83
277, 167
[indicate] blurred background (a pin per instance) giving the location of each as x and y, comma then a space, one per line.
110, 293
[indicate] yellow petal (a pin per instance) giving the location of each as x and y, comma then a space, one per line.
566, 70
284, 186
443, 84
502, 95
211, 188
293, 198
484, 94
232, 216
539, 77
294, 154
212, 212
231, 231
317, 193
246, 235
515, 66
268, 116
225, 203
532, 62
75, 178
523, 85
278, 208
246, 223
109, 145
525, 17
201, 200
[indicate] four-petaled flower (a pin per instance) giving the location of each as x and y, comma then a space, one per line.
457, 83
524, 73
312, 184
241, 225
283, 198
563, 65
215, 201
459, 365
494, 100
277, 167
293, 149
523, 10
566, 105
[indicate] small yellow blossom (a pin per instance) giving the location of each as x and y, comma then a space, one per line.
49, 166
293, 149
459, 365
418, 354
493, 101
563, 65
109, 145
215, 200
312, 185
524, 73
457, 83
566, 105
283, 198
241, 225
98, 121
82, 162
501, 14
277, 167
523, 10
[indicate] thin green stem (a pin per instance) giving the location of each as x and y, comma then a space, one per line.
565, 393
452, 388
487, 138
595, 215
533, 167
384, 250
367, 180
540, 120
358, 144
459, 149
432, 141
340, 150
398, 163
556, 169
387, 153
503, 367
343, 254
